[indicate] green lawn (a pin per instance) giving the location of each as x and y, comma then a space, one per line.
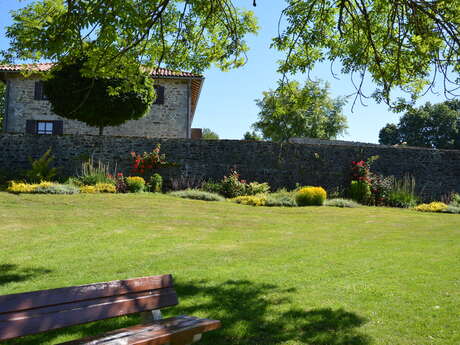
315, 275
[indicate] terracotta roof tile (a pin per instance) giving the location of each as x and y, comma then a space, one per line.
43, 67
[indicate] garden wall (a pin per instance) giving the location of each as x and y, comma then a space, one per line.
436, 171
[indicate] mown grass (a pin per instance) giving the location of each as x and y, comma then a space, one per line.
291, 276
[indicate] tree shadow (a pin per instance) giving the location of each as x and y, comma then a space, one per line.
10, 273
250, 313
253, 314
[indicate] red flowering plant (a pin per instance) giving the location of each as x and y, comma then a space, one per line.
361, 171
148, 162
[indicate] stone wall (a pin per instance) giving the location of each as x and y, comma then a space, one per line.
168, 120
282, 165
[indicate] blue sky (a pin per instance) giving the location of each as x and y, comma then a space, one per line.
227, 103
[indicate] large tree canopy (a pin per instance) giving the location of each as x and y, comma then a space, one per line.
432, 125
98, 102
179, 34
294, 111
398, 43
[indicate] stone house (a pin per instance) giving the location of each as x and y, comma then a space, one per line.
171, 116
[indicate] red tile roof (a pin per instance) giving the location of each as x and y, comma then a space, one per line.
43, 67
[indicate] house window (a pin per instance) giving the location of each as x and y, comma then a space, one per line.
45, 127
39, 95
160, 92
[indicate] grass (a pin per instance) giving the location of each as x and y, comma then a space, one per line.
273, 276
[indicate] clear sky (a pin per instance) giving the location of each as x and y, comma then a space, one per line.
227, 99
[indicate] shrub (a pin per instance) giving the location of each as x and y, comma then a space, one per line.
402, 193
105, 188
120, 184
211, 187
338, 202
148, 161
185, 182
56, 188
88, 189
20, 187
253, 200
91, 173
255, 188
360, 191
197, 194
135, 184
432, 207
455, 200
41, 170
156, 183
281, 198
452, 209
231, 186
310, 196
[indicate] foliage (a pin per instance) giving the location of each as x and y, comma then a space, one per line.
185, 182
135, 184
405, 44
432, 207
120, 183
41, 170
209, 134
380, 188
146, 163
88, 189
252, 200
281, 199
2, 103
294, 111
232, 186
455, 200
212, 187
43, 187
92, 173
105, 188
190, 35
452, 209
156, 183
56, 188
338, 202
98, 102
254, 188
431, 125
403, 193
360, 191
310, 196
197, 194
254, 136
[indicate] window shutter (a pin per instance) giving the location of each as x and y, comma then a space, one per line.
31, 127
160, 91
38, 92
58, 127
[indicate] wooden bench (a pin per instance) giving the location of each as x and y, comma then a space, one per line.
40, 311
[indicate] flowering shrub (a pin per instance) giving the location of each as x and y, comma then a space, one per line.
147, 162
310, 196
253, 200
135, 184
105, 188
19, 187
56, 188
254, 188
432, 207
231, 186
88, 189
120, 184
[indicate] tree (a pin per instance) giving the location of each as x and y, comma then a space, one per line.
294, 111
252, 136
180, 34
404, 43
431, 125
209, 134
2, 103
92, 101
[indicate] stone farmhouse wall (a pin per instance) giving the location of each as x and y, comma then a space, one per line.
164, 120
437, 172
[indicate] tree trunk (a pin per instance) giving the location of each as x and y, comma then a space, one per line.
101, 130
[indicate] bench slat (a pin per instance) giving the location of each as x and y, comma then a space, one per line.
180, 330
37, 299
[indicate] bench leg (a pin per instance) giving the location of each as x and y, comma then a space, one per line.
150, 316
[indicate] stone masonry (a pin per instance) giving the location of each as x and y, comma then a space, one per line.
437, 172
168, 120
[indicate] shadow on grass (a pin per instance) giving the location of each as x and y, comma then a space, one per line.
251, 314
10, 273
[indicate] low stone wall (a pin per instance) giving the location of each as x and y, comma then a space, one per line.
437, 172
